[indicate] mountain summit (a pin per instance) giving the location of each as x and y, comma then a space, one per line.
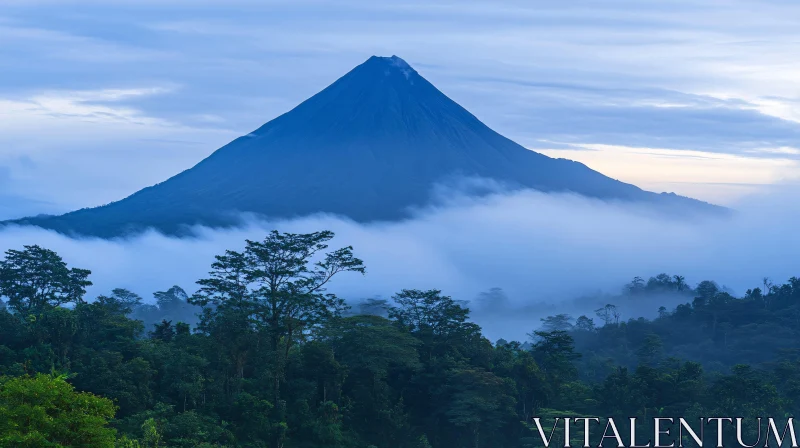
369, 146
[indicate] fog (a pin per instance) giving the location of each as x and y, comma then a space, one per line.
547, 253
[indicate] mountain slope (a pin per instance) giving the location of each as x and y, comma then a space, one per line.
368, 146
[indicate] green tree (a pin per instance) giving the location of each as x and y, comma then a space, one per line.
557, 322
609, 314
651, 350
276, 287
584, 323
481, 402
121, 301
705, 291
554, 352
46, 411
428, 312
278, 284
372, 349
36, 278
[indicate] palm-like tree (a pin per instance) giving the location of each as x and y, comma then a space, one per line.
680, 282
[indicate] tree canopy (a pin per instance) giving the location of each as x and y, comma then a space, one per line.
262, 355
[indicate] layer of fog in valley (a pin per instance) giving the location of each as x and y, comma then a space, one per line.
517, 257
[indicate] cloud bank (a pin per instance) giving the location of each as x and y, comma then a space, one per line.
541, 250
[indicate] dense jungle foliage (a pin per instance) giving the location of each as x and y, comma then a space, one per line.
273, 360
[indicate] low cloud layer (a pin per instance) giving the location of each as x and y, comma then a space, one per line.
542, 250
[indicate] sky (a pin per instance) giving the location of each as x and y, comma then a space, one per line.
99, 99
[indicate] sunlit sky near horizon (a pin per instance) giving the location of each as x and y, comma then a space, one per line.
99, 99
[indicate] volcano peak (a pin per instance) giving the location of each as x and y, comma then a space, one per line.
371, 146
387, 66
393, 60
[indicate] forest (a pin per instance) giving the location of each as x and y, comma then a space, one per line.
263, 355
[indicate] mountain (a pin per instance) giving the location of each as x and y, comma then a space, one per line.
369, 146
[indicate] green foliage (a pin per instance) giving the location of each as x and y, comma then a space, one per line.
46, 411
273, 360
35, 278
428, 313
709, 325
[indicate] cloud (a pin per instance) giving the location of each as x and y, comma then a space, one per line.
542, 250
785, 150
106, 98
89, 106
68, 149
628, 117
712, 176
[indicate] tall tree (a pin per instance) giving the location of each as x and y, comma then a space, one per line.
171, 299
480, 402
557, 322
36, 278
608, 314
276, 287
428, 312
121, 300
278, 283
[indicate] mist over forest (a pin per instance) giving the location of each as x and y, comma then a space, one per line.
454, 328
540, 254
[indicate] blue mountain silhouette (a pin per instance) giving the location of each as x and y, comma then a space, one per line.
369, 146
